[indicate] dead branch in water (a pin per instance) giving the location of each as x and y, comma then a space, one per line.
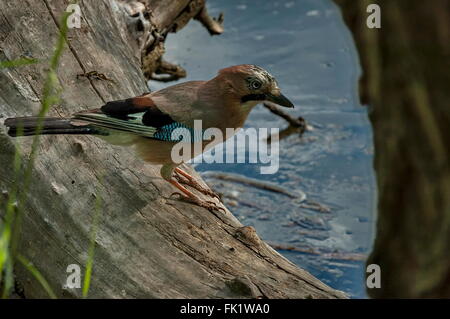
300, 195
296, 125
337, 255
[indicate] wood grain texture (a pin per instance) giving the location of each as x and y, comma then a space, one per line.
148, 245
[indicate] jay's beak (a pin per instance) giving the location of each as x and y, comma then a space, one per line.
279, 99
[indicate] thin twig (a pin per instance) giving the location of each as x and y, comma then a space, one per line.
296, 125
256, 183
336, 255
296, 122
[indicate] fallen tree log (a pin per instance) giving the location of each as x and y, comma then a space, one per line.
147, 245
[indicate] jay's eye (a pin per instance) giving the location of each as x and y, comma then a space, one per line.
255, 84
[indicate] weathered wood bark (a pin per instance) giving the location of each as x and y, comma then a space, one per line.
406, 78
148, 245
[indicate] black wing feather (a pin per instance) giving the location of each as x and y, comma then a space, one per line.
122, 109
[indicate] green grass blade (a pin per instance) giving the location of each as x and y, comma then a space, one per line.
50, 97
17, 63
90, 260
9, 278
10, 230
33, 270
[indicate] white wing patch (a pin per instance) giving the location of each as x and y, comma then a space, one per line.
132, 125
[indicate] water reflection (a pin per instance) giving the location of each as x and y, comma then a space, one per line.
306, 46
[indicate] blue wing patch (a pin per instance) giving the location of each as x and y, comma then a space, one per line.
176, 132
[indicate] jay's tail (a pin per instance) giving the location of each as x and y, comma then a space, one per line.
26, 126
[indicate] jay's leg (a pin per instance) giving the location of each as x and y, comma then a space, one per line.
193, 183
167, 171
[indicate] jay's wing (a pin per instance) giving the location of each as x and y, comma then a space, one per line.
155, 115
138, 115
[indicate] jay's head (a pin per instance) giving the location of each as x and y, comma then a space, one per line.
253, 84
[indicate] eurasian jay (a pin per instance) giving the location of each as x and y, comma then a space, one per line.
147, 121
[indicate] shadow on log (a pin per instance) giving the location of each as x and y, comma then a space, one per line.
406, 78
147, 245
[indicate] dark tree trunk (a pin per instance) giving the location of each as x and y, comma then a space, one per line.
406, 78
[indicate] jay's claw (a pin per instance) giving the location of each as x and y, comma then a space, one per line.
209, 205
189, 197
184, 178
179, 195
